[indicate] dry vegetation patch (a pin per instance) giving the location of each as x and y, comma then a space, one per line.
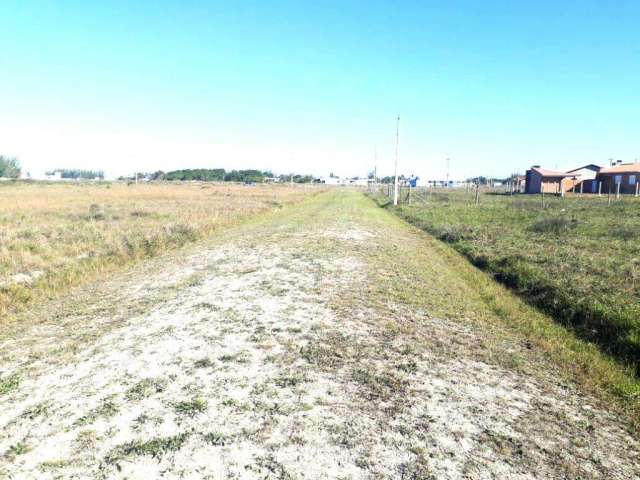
57, 235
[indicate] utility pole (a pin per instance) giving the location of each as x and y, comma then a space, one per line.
375, 165
447, 173
395, 190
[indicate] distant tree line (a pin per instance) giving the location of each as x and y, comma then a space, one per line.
222, 175
75, 174
9, 167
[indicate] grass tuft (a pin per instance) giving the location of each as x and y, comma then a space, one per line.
9, 383
190, 408
155, 448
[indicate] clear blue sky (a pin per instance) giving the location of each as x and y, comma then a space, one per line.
315, 86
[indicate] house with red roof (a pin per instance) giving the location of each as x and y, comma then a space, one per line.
620, 178
538, 180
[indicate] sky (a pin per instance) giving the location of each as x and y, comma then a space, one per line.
315, 87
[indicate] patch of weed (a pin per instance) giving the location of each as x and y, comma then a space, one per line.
144, 388
216, 439
155, 448
8, 384
190, 408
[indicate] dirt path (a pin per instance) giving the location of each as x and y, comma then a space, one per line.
329, 341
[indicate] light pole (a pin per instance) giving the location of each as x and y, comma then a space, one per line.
395, 190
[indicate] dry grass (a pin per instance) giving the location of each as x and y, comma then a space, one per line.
55, 236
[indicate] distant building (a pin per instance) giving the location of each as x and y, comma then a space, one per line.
53, 176
588, 172
622, 177
332, 180
363, 182
443, 183
548, 181
585, 181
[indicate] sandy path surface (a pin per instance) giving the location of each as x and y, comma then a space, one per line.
266, 354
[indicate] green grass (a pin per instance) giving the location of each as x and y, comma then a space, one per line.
19, 448
144, 388
155, 448
9, 383
190, 408
576, 260
216, 439
431, 275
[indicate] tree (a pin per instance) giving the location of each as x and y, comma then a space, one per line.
9, 167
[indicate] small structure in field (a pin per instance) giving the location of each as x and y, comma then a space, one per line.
540, 180
620, 178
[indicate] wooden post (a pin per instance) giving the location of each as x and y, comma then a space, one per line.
581, 187
477, 193
409, 194
542, 194
609, 192
637, 184
618, 190
599, 188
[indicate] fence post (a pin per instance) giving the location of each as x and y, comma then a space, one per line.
599, 188
542, 195
409, 194
477, 193
618, 190
637, 184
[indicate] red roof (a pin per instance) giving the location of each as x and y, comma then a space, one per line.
551, 173
623, 168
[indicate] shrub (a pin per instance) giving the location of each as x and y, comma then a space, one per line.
9, 167
555, 225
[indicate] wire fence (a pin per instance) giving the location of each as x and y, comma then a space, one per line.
473, 194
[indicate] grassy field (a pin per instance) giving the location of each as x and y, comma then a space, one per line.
578, 259
55, 236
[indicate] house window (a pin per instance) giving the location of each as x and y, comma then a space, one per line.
618, 179
632, 179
